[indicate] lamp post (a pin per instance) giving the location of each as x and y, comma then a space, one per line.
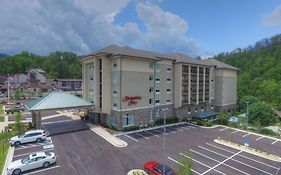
247, 118
164, 140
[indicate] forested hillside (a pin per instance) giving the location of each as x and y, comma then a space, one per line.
56, 65
260, 70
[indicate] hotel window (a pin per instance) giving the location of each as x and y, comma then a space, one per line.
157, 78
91, 77
157, 114
168, 91
157, 101
168, 80
151, 115
168, 69
150, 77
157, 90
150, 101
114, 78
168, 100
151, 65
157, 66
113, 120
114, 92
114, 105
114, 63
128, 120
150, 89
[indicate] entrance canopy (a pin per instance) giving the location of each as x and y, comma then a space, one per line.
205, 115
57, 100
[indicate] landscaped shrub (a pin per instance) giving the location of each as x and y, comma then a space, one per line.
268, 132
131, 128
168, 121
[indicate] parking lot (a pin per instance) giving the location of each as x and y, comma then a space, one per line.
84, 152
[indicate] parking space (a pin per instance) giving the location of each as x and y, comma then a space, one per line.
27, 149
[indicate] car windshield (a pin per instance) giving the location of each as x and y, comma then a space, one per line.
48, 154
24, 160
21, 135
168, 170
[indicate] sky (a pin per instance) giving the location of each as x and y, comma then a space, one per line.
195, 27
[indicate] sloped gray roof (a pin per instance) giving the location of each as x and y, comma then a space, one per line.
219, 64
182, 58
57, 100
128, 51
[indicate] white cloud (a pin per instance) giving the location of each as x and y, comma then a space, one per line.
273, 18
83, 26
166, 31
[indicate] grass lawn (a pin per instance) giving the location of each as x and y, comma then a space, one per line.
2, 117
4, 146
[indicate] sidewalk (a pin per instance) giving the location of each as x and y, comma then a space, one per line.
4, 124
107, 136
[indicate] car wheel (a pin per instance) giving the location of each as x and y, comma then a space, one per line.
46, 164
16, 172
17, 143
38, 140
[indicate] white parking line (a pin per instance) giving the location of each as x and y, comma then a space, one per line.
141, 135
170, 130
157, 131
235, 159
259, 138
246, 135
25, 147
151, 133
201, 163
219, 162
222, 129
22, 154
242, 156
45, 169
181, 164
234, 132
131, 138
274, 142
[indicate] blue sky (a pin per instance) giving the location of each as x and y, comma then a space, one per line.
194, 27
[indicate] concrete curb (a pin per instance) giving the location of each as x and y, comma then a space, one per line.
137, 172
8, 159
117, 142
256, 152
147, 129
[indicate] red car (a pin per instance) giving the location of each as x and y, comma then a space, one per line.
154, 168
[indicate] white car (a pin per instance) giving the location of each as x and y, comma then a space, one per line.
32, 161
29, 136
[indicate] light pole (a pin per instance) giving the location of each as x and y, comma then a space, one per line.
247, 118
164, 140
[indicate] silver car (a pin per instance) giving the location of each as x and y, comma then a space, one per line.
29, 136
32, 161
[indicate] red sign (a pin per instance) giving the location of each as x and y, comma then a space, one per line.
132, 100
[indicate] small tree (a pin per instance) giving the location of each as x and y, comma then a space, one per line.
17, 94
17, 124
262, 114
185, 165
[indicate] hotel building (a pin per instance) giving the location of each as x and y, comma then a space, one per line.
129, 86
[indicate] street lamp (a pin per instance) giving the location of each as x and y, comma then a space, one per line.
164, 140
247, 118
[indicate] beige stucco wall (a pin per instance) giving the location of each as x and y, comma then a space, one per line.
177, 85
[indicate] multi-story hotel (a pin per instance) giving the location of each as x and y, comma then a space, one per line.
129, 86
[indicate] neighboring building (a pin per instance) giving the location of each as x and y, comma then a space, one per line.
35, 81
130, 86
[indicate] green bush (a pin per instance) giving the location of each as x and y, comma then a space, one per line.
131, 128
168, 121
268, 132
206, 123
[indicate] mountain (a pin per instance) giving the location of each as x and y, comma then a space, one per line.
3, 55
260, 70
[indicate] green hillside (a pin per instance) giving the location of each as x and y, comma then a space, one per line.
56, 64
260, 70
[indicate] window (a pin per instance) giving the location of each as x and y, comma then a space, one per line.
157, 101
128, 120
113, 120
150, 77
157, 90
151, 65
157, 78
114, 105
169, 80
150, 101
168, 69
168, 91
168, 100
114, 92
91, 77
151, 115
157, 112
150, 89
157, 66
114, 64
114, 77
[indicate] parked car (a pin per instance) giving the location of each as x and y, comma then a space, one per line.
154, 168
29, 136
12, 109
32, 161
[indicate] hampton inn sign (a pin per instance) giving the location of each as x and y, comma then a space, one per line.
131, 100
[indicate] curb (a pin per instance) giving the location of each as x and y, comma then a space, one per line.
9, 158
156, 127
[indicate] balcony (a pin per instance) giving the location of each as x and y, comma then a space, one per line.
184, 91
185, 81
